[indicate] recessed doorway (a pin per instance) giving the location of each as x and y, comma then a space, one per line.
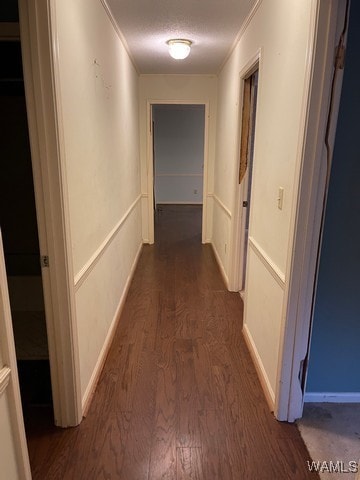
177, 173
246, 157
20, 237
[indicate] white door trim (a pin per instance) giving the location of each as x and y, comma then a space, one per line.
236, 265
41, 76
9, 380
149, 161
301, 272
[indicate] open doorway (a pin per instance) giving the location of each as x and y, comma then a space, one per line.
249, 103
178, 132
335, 329
20, 235
246, 161
198, 198
331, 416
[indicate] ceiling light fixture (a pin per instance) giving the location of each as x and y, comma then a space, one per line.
179, 48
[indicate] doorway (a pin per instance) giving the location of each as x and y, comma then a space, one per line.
249, 104
178, 157
335, 327
20, 235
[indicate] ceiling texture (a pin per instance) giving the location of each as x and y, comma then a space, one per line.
212, 26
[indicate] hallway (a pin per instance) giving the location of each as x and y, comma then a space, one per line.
179, 397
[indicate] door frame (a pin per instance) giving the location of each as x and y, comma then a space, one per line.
150, 162
328, 17
42, 93
238, 225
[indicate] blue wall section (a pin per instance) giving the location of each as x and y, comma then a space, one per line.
335, 347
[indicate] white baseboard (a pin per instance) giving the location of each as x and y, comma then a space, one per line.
221, 267
90, 390
260, 370
332, 397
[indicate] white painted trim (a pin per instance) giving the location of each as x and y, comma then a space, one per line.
205, 213
4, 379
179, 175
221, 267
237, 236
179, 203
41, 77
221, 204
119, 33
150, 170
144, 208
271, 266
332, 397
241, 32
90, 389
260, 370
81, 276
306, 213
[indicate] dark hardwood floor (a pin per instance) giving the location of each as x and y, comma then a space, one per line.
179, 397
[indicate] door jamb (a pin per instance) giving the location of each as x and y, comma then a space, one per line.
150, 169
237, 237
296, 329
41, 76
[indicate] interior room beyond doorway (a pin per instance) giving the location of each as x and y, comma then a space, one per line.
18, 221
178, 154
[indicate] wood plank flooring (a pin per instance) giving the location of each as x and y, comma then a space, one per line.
179, 397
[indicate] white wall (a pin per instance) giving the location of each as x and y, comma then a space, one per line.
179, 153
99, 102
190, 89
280, 33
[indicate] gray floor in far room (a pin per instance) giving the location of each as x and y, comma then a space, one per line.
331, 432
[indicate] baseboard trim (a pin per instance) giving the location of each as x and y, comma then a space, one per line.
221, 267
260, 370
332, 397
90, 390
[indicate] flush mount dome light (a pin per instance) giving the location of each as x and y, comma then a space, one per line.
179, 48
